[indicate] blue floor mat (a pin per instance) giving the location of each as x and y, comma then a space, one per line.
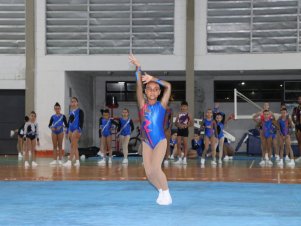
133, 203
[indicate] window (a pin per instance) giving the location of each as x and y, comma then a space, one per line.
126, 91
12, 27
249, 26
258, 91
109, 27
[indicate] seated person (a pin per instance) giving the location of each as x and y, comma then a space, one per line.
197, 146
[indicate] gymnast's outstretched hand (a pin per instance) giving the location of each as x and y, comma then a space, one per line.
134, 60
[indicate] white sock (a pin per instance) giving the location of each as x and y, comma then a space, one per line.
160, 190
166, 193
77, 161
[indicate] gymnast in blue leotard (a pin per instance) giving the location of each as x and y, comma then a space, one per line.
209, 126
105, 125
57, 123
125, 128
154, 143
220, 124
285, 125
75, 127
267, 133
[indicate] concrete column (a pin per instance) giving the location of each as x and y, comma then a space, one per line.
190, 59
30, 56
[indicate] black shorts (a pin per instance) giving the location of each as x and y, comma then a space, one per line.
183, 132
31, 137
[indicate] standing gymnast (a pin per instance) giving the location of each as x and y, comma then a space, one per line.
125, 128
31, 138
75, 127
105, 126
56, 124
296, 116
267, 126
220, 124
183, 122
285, 124
210, 137
259, 119
154, 142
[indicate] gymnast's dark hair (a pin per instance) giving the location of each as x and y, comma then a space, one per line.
184, 103
106, 111
26, 118
57, 105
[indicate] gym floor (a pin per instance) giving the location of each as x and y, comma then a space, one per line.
238, 193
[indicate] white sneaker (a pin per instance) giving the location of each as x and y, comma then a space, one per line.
269, 162
26, 164
262, 163
220, 161
277, 158
110, 160
298, 159
287, 159
184, 161
20, 156
202, 161
67, 164
77, 163
178, 162
60, 162
213, 162
291, 163
171, 157
230, 157
54, 162
165, 162
102, 161
280, 162
34, 164
125, 161
166, 198
226, 158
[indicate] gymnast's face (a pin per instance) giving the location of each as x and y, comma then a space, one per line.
125, 114
219, 118
57, 110
32, 117
152, 90
73, 103
106, 115
283, 113
196, 137
266, 115
184, 108
209, 114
